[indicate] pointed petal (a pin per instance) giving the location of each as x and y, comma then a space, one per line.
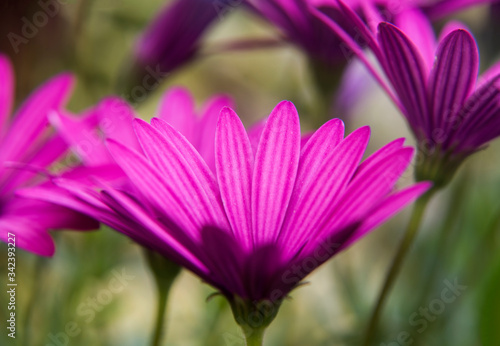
177, 109
31, 118
115, 121
385, 210
192, 181
276, 164
419, 30
453, 77
254, 133
380, 154
369, 187
406, 71
82, 136
325, 170
33, 240
148, 180
234, 164
206, 128
172, 241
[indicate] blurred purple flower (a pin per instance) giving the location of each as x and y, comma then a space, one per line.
173, 37
27, 147
265, 218
451, 114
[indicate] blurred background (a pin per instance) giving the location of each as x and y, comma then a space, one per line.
73, 298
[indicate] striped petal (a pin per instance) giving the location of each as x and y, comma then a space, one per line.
234, 164
453, 77
191, 181
276, 164
406, 70
325, 170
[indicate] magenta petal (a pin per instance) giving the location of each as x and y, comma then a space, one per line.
254, 133
177, 109
389, 207
48, 154
33, 240
380, 154
115, 121
81, 135
325, 170
368, 187
206, 126
276, 164
150, 183
6, 92
31, 119
406, 70
234, 164
453, 77
192, 181
419, 29
170, 244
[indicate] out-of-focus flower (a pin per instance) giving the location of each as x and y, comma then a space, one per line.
265, 218
27, 147
172, 39
451, 114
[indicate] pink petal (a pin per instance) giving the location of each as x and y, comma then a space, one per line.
234, 164
419, 30
406, 70
205, 129
184, 172
31, 118
276, 164
6, 92
326, 167
388, 208
157, 194
453, 77
177, 109
115, 121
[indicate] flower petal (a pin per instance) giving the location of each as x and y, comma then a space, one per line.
6, 92
276, 164
389, 207
206, 126
184, 172
325, 170
406, 71
177, 109
148, 180
31, 118
234, 164
453, 77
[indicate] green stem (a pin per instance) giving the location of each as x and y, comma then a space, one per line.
165, 273
159, 331
254, 337
411, 231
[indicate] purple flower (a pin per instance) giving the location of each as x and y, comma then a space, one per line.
435, 85
28, 146
173, 37
265, 218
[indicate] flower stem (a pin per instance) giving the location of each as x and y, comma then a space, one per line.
165, 273
411, 231
254, 337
